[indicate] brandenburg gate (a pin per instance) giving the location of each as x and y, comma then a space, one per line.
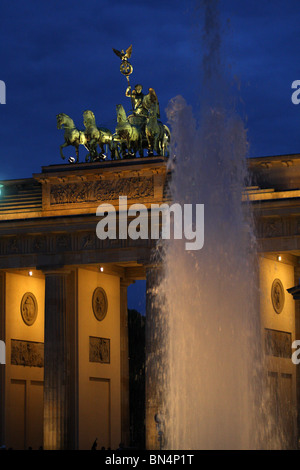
63, 290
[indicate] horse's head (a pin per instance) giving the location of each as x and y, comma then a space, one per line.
59, 119
121, 115
153, 111
64, 120
88, 118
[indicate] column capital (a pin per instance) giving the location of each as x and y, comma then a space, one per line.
125, 282
151, 266
54, 270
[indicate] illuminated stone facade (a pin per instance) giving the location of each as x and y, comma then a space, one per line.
66, 378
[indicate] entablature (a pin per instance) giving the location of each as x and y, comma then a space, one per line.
80, 188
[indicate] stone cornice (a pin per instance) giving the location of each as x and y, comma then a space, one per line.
280, 172
102, 170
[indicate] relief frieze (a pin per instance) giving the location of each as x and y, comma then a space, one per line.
64, 243
103, 190
277, 227
272, 228
88, 241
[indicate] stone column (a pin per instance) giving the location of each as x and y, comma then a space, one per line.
55, 362
2, 366
125, 412
154, 340
297, 336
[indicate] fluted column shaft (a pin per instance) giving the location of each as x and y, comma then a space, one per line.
2, 366
125, 417
154, 341
55, 362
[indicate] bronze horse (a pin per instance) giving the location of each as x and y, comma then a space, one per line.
72, 135
97, 136
157, 133
129, 135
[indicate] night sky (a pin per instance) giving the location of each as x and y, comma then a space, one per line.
57, 57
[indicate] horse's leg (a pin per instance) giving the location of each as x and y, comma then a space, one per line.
77, 153
127, 149
150, 146
133, 147
140, 145
112, 150
161, 142
155, 145
159, 146
93, 150
118, 151
124, 152
61, 147
102, 155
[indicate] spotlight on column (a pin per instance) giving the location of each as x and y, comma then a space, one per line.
279, 258
30, 273
101, 269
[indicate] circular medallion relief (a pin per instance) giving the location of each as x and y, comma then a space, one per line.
29, 308
277, 295
99, 303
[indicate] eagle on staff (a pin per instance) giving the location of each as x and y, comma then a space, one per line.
126, 67
124, 55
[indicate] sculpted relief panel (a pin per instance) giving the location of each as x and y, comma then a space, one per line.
27, 353
277, 295
99, 350
104, 190
99, 303
29, 308
278, 343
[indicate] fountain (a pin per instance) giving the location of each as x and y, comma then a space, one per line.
210, 378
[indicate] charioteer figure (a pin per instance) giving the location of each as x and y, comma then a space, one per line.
137, 97
142, 103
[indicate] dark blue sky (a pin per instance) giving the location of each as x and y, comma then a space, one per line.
56, 56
